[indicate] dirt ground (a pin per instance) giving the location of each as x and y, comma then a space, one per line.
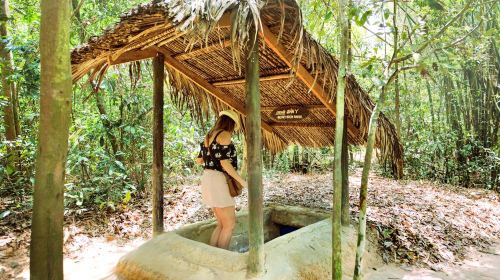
426, 230
483, 265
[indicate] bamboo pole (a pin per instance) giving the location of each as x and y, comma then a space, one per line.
339, 129
346, 217
254, 167
364, 185
46, 248
158, 78
360, 249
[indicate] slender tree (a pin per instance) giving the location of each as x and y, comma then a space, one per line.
108, 125
76, 5
46, 251
368, 156
339, 129
8, 86
397, 102
346, 217
431, 106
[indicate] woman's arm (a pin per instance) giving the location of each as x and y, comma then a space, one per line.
228, 167
225, 139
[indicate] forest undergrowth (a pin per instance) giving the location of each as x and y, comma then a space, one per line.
417, 222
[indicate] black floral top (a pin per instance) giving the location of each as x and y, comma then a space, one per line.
215, 152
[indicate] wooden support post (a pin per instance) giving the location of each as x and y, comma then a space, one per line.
158, 77
254, 172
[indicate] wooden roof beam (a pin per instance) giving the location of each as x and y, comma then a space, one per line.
262, 79
203, 50
298, 124
302, 73
308, 107
133, 55
209, 88
148, 52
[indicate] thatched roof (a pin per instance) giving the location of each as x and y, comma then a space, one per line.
203, 43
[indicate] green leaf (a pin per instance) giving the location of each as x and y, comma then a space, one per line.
387, 13
434, 4
120, 165
10, 169
387, 232
368, 62
404, 35
490, 32
328, 15
353, 12
362, 20
4, 214
127, 197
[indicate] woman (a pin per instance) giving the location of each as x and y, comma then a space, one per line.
218, 155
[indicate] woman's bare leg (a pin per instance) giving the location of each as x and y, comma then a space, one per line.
227, 216
217, 230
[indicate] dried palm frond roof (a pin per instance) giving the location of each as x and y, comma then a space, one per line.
203, 43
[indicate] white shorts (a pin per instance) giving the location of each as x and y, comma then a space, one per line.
214, 189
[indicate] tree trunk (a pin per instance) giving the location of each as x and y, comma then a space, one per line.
346, 218
339, 129
8, 86
107, 125
407, 101
46, 249
473, 98
76, 13
306, 164
461, 104
157, 177
429, 94
397, 105
455, 120
467, 104
254, 170
360, 250
364, 184
295, 164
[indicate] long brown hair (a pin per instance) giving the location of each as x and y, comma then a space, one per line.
223, 123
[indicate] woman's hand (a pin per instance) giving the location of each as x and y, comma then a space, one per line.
199, 160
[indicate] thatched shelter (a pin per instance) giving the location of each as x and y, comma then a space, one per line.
203, 43
285, 95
